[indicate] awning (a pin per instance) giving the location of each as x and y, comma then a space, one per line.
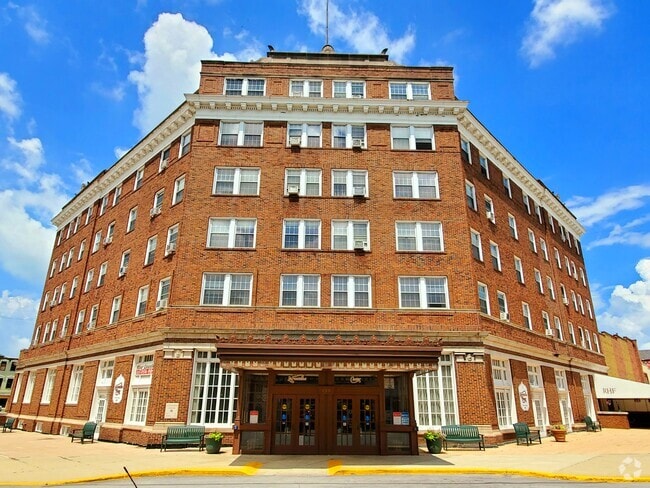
618, 388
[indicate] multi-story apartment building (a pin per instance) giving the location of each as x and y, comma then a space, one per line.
315, 253
7, 373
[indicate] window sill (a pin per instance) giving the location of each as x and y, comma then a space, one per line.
224, 308
407, 199
245, 195
441, 253
229, 249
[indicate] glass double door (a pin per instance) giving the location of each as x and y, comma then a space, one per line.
355, 424
295, 424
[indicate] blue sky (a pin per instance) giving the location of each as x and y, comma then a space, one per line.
562, 83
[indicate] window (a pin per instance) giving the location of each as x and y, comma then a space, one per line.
70, 254
164, 158
574, 300
301, 234
582, 306
37, 335
309, 135
546, 322
102, 273
560, 380
409, 90
551, 221
245, 134
470, 194
582, 277
117, 195
214, 392
503, 392
77, 221
572, 333
419, 138
82, 248
351, 291
103, 205
349, 183
567, 265
475, 242
158, 199
75, 384
115, 310
349, 89
512, 223
495, 256
421, 292
163, 288
151, 250
97, 241
526, 203
588, 338
525, 310
485, 169
89, 213
565, 298
179, 189
92, 320
143, 296
558, 261
558, 328
46, 301
185, 143
138, 400
538, 280
46, 333
519, 270
236, 181
53, 268
306, 181
596, 343
502, 302
531, 241
64, 328
507, 186
415, 184
534, 377
139, 177
465, 151
73, 288
17, 389
124, 262
300, 291
435, 401
245, 86
89, 279
538, 212
591, 316
232, 233
48, 388
172, 237
29, 388
226, 289
105, 375
562, 233
306, 88
55, 297
419, 236
55, 323
551, 288
483, 298
63, 261
348, 135
350, 234
573, 270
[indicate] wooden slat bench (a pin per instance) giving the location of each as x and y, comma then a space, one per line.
463, 434
186, 435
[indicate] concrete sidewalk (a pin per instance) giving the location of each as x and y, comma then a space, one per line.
32, 459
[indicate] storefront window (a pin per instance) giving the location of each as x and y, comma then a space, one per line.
214, 394
257, 389
436, 396
396, 400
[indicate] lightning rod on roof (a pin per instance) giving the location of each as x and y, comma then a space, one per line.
327, 22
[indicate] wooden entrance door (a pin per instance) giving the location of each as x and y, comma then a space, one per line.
295, 426
355, 424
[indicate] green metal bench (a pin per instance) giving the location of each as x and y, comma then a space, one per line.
86, 432
463, 434
185, 435
592, 425
523, 433
9, 424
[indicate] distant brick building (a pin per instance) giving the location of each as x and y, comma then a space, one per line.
7, 373
622, 357
316, 252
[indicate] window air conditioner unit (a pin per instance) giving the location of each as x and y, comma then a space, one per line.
357, 143
504, 316
160, 304
92, 324
489, 215
360, 245
52, 303
163, 164
294, 141
565, 300
108, 240
154, 211
359, 191
549, 332
293, 190
123, 270
170, 248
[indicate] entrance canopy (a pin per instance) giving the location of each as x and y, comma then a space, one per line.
336, 353
617, 388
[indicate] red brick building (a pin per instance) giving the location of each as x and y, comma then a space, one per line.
316, 252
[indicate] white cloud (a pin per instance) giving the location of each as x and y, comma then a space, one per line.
590, 211
115, 93
82, 171
120, 151
628, 310
9, 97
555, 23
31, 151
17, 317
35, 25
362, 30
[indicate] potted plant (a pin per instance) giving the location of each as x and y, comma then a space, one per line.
213, 442
558, 431
434, 441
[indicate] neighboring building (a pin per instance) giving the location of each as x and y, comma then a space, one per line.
315, 253
644, 354
7, 373
622, 357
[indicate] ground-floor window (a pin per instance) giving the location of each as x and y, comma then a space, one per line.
214, 392
139, 404
502, 380
138, 401
436, 396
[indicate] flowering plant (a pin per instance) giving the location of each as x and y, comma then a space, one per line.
432, 435
217, 436
558, 427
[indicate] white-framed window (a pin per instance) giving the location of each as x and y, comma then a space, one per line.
574, 271
562, 233
138, 399
29, 387
117, 194
495, 256
348, 235
412, 137
526, 200
565, 297
164, 287
82, 248
53, 268
103, 205
519, 270
558, 261
349, 183
483, 298
73, 288
77, 221
214, 392
55, 297
164, 158
124, 262
502, 302
538, 281
546, 321
231, 233
92, 320
310, 135
485, 166
137, 181
64, 258
158, 200
507, 186
415, 184
75, 384
70, 254
538, 212
591, 315
596, 342
244, 134
581, 304
588, 338
475, 243
582, 277
105, 373
64, 327
419, 236
348, 89
97, 241
301, 234
306, 88
351, 291
48, 388
141, 305
172, 238
89, 279
89, 213
512, 223
465, 151
502, 380
245, 87
236, 181
423, 292
435, 402
115, 309
560, 380
558, 328
532, 241
103, 268
552, 222
308, 182
300, 291
150, 254
46, 333
551, 288
46, 301
409, 90
574, 299
226, 289
470, 195
179, 190
525, 310
80, 322
348, 135
567, 265
19, 382
55, 323
572, 333
542, 245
